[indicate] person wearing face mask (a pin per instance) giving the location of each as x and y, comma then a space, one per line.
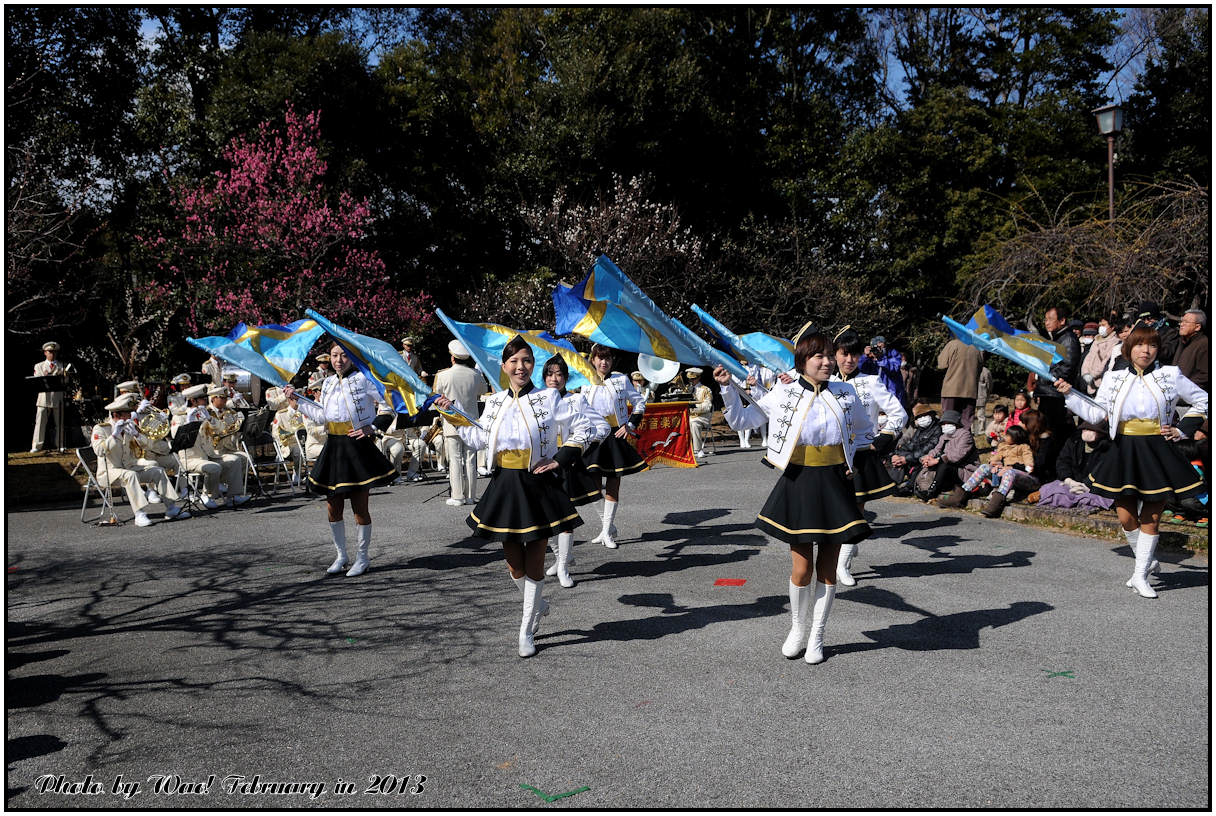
1078, 457
1142, 470
905, 462
1093, 366
580, 486
815, 430
950, 460
350, 464
525, 503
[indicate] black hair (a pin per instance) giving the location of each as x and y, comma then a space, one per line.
808, 346
848, 341
1018, 434
1061, 311
600, 350
1004, 409
514, 346
558, 362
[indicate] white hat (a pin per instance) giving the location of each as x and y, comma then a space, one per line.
693, 372
129, 385
457, 349
637, 375
229, 377
195, 391
125, 402
217, 391
180, 379
410, 340
322, 358
51, 346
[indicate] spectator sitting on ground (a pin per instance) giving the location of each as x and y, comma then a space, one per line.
950, 461
1079, 455
1011, 457
1021, 404
905, 462
996, 428
1193, 508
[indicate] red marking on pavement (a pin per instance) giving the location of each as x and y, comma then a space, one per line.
730, 582
12, 569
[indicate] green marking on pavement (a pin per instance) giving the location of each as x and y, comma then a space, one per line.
555, 796
1067, 674
350, 640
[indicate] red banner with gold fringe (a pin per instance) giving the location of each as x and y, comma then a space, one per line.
664, 435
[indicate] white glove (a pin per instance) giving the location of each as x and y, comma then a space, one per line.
123, 427
143, 407
1075, 487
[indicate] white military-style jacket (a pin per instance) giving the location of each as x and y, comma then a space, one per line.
876, 397
612, 399
351, 398
547, 415
1166, 385
787, 406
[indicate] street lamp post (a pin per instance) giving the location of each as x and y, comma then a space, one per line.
1110, 122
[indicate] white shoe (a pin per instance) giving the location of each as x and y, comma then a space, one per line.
482, 472
471, 501
295, 479
237, 501
455, 502
153, 497
440, 469
607, 541
175, 512
823, 605
363, 534
142, 520
1154, 568
209, 503
417, 477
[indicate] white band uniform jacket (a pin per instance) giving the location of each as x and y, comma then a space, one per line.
876, 397
798, 414
352, 398
532, 420
612, 399
1129, 394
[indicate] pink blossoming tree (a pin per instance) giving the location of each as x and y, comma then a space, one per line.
265, 239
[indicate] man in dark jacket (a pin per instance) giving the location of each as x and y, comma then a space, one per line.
1192, 356
905, 462
1051, 403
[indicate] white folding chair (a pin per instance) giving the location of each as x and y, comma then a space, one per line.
87, 459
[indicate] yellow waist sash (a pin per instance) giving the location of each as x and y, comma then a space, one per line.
1140, 427
611, 420
513, 459
817, 455
339, 428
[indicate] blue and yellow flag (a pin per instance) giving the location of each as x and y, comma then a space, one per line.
988, 331
607, 307
769, 352
272, 353
397, 382
485, 341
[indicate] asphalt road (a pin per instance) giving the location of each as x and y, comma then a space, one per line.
977, 664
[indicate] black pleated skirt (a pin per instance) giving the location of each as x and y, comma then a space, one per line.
813, 505
613, 456
1146, 467
347, 465
582, 487
870, 479
522, 506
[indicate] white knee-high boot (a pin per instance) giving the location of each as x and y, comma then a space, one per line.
800, 601
744, 436
824, 593
564, 542
1133, 536
337, 530
363, 534
532, 601
843, 576
1145, 544
544, 605
555, 545
608, 532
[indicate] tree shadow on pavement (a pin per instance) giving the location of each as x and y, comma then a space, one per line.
960, 630
672, 619
900, 529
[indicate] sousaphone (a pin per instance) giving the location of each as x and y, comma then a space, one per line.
657, 369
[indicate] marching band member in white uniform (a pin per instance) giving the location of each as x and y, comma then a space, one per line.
871, 480
525, 502
699, 412
50, 403
350, 464
614, 456
202, 457
1138, 398
815, 426
116, 443
284, 431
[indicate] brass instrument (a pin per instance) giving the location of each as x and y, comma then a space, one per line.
223, 425
288, 430
429, 437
